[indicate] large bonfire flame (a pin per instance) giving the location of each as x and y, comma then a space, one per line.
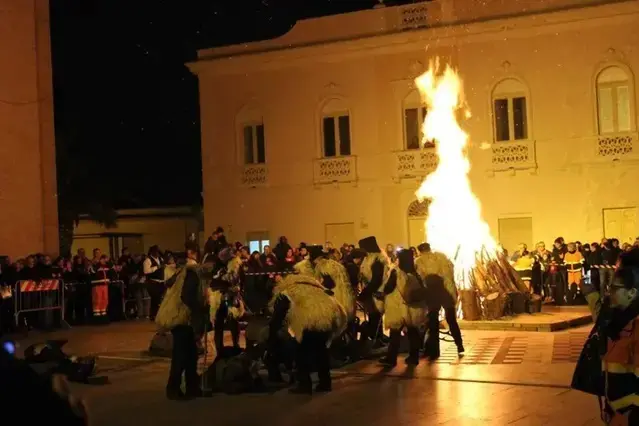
454, 225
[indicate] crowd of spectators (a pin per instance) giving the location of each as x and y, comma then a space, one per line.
567, 264
129, 272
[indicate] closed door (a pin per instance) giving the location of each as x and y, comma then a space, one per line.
621, 224
514, 231
135, 244
416, 231
340, 233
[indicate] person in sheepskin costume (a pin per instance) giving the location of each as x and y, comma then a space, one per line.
332, 274
405, 307
372, 271
315, 318
438, 274
225, 300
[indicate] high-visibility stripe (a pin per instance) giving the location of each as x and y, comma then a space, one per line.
618, 368
626, 401
100, 281
44, 285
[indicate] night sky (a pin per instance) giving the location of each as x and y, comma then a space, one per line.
126, 107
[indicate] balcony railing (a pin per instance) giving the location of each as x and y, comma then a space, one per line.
615, 147
513, 155
415, 162
254, 175
335, 170
414, 16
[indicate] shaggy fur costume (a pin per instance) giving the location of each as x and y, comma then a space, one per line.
397, 313
304, 267
438, 264
312, 308
343, 290
232, 276
366, 273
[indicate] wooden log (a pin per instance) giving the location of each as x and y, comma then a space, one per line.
493, 306
534, 304
518, 303
471, 310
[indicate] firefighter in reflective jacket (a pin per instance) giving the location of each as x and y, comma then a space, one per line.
619, 324
101, 276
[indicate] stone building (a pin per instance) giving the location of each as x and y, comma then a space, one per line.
314, 134
28, 203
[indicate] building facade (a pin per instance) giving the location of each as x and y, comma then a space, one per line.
138, 230
28, 202
314, 135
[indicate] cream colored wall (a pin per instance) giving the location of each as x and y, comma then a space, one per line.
565, 195
169, 233
28, 202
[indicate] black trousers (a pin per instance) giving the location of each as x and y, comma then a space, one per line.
432, 343
156, 293
374, 330
414, 343
183, 360
222, 319
78, 303
312, 351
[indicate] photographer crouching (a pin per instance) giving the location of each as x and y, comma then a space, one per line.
183, 312
610, 358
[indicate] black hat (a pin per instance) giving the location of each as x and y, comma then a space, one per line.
315, 251
358, 254
370, 245
406, 260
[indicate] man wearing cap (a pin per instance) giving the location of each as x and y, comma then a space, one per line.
373, 268
331, 274
225, 301
404, 307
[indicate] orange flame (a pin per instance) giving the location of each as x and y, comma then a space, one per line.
454, 225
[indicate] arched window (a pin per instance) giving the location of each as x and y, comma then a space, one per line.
414, 113
336, 129
418, 209
252, 141
510, 111
614, 110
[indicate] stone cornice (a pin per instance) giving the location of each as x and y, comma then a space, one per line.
411, 41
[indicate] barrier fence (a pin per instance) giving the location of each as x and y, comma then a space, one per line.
31, 296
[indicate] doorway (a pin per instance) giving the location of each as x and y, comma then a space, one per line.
621, 223
514, 231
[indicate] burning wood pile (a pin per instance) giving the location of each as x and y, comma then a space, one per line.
491, 289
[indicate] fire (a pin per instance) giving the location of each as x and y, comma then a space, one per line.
454, 226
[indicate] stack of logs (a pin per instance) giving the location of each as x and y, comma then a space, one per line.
492, 283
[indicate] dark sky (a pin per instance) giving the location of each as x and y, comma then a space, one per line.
126, 107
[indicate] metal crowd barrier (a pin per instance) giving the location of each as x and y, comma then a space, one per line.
32, 296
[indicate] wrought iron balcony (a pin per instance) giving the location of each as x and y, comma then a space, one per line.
335, 170
621, 146
514, 155
415, 163
254, 175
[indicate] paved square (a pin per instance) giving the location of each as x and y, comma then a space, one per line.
507, 378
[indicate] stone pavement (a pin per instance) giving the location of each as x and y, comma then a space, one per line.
516, 378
